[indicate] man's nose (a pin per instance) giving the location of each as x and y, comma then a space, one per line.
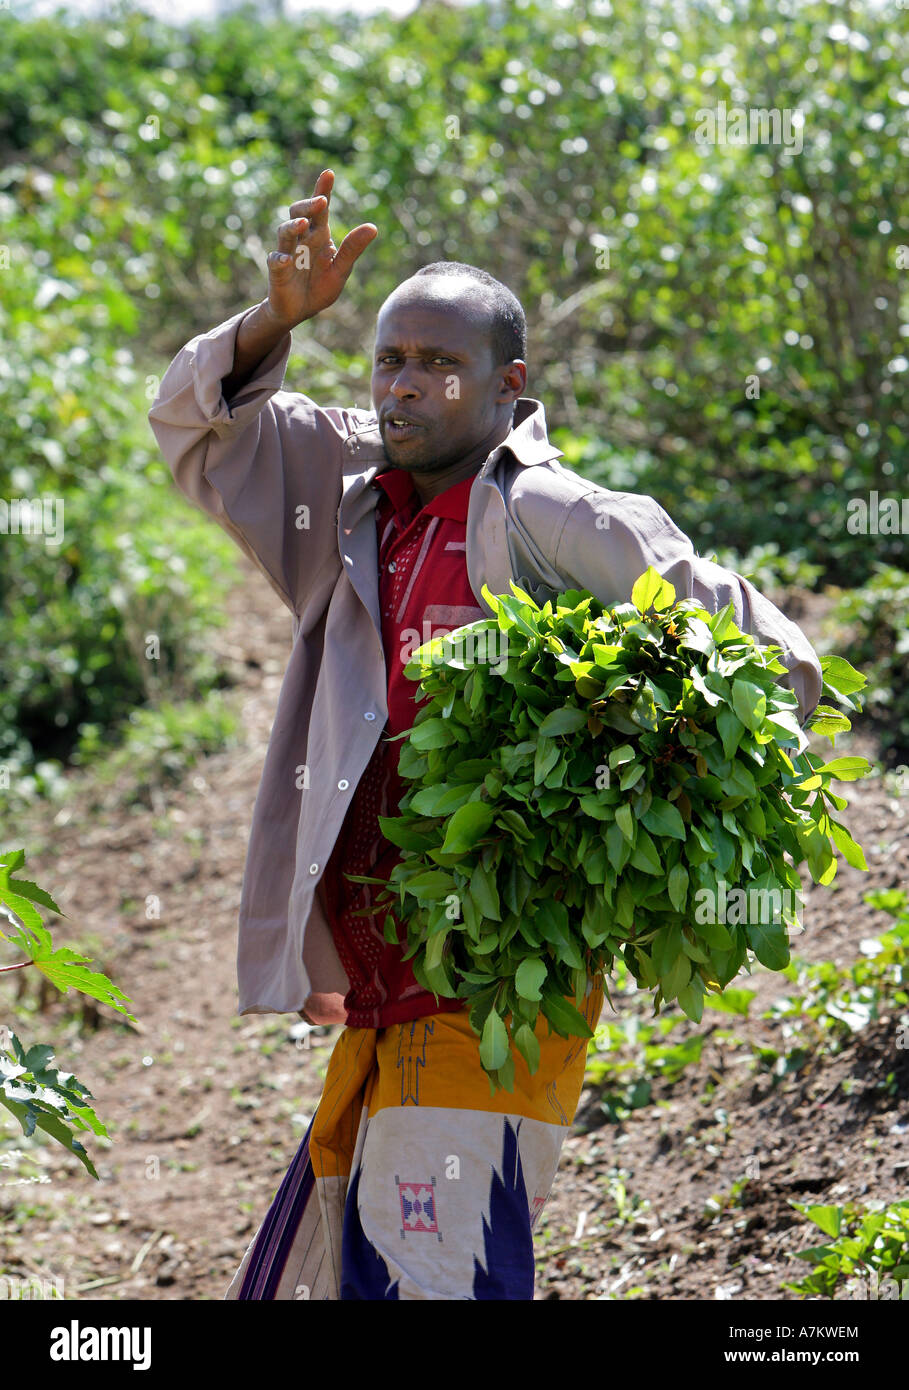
404, 383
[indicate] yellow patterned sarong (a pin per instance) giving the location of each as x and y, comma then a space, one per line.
413, 1181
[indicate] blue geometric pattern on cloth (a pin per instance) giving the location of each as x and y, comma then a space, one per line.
507, 1236
411, 1058
364, 1274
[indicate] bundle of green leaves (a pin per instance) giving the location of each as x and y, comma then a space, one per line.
593, 782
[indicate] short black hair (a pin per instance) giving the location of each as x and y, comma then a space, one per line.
508, 326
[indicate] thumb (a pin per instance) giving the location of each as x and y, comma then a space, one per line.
353, 245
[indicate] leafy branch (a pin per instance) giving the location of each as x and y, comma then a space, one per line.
586, 789
37, 1094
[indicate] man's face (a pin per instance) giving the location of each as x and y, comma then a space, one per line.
433, 365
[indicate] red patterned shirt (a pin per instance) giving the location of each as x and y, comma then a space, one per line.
423, 592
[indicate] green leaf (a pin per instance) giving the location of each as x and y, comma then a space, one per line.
527, 1043
846, 769
529, 978
430, 885
617, 847
631, 776
722, 624
732, 1001
564, 1017
678, 887
493, 1042
545, 759
515, 822
643, 710
850, 850
644, 855
828, 721
621, 755
485, 893
840, 676
691, 999
716, 934
663, 818
625, 822
432, 733
435, 949
652, 591
829, 1218
677, 976
399, 833
26, 889
769, 942
563, 721
749, 703
467, 826
65, 968
731, 730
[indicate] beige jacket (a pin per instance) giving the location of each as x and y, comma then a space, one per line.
289, 480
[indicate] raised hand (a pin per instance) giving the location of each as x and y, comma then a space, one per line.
307, 272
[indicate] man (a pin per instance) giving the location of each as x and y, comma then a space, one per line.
412, 1181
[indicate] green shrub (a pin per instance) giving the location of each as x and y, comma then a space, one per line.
108, 603
876, 618
868, 1242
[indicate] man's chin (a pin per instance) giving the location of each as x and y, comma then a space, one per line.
410, 461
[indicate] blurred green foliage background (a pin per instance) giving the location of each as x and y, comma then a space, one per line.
722, 326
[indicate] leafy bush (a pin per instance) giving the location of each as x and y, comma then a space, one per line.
106, 603
778, 574
869, 1242
720, 325
876, 620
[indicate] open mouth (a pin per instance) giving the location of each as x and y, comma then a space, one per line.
399, 430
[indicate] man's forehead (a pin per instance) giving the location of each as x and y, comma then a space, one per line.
450, 306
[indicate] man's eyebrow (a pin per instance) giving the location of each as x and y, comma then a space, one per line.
435, 350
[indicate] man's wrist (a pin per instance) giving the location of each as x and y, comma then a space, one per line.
269, 315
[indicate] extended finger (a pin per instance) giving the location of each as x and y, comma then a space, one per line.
323, 188
290, 232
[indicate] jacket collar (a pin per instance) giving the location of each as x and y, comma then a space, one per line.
528, 441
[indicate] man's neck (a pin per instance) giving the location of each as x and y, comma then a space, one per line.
430, 484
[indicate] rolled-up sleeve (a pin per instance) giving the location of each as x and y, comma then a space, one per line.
610, 538
267, 465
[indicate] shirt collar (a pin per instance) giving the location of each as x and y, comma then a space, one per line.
452, 503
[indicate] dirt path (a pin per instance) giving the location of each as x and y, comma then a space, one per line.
206, 1109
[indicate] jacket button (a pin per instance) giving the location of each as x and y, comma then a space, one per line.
313, 868
369, 714
343, 784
